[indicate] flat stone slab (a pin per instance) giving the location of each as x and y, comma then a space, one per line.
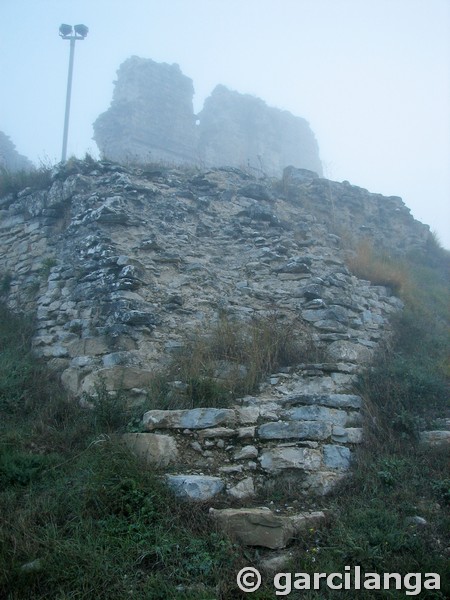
155, 450
323, 482
261, 527
316, 413
435, 438
196, 418
255, 526
278, 459
243, 489
195, 487
300, 430
331, 400
216, 432
350, 435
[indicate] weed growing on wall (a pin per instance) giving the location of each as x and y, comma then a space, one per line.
13, 182
230, 359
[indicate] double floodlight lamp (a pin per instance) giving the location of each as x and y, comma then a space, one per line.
67, 32
80, 31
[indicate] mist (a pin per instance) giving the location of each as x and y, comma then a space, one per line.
372, 78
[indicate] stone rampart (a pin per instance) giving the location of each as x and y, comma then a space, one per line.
118, 264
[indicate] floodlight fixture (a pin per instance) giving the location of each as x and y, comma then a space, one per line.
67, 32
81, 30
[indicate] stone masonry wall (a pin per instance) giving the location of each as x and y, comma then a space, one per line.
119, 264
280, 435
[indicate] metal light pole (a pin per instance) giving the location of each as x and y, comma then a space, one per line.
79, 32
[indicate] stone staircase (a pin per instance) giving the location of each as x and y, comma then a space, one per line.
299, 433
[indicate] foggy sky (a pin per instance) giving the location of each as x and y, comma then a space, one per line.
372, 77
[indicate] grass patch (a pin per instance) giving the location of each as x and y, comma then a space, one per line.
229, 361
13, 182
98, 526
365, 263
81, 518
378, 529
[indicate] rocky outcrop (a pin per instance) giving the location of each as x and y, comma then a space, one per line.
241, 130
10, 159
151, 118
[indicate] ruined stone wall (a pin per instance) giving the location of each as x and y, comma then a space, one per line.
355, 213
118, 264
151, 118
241, 130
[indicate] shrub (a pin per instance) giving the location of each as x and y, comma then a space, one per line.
108, 410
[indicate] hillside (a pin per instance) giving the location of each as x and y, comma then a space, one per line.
266, 342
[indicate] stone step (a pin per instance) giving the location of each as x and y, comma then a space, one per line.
261, 527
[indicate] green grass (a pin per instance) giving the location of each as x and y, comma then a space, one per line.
101, 527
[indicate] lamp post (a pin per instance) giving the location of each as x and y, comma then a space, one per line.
78, 32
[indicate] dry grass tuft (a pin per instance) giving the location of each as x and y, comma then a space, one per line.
379, 270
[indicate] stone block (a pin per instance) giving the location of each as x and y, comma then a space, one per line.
435, 439
247, 415
255, 526
316, 413
279, 459
71, 379
301, 430
272, 564
243, 489
336, 457
345, 351
196, 418
195, 487
322, 482
88, 347
354, 435
216, 432
246, 452
246, 432
155, 450
331, 400
118, 378
261, 527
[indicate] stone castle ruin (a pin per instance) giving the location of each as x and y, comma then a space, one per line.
151, 118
